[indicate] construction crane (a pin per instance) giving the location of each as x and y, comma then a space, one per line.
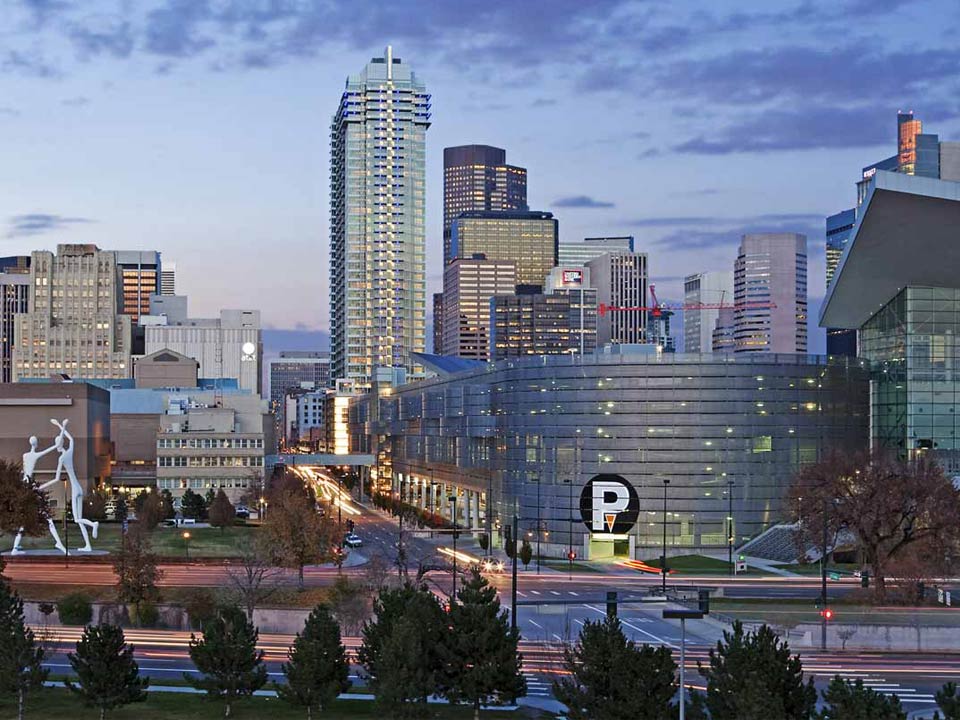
657, 308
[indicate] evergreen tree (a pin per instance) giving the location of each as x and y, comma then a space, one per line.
400, 649
526, 553
948, 700
479, 656
227, 658
166, 505
847, 700
608, 673
752, 676
107, 674
21, 657
192, 505
221, 511
317, 668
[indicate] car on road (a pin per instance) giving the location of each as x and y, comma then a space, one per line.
242, 511
352, 541
491, 566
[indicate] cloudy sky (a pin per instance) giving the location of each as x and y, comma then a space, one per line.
200, 127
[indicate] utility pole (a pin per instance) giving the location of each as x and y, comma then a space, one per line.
513, 573
453, 499
663, 559
730, 528
823, 582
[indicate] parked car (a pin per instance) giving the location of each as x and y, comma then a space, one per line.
352, 541
242, 511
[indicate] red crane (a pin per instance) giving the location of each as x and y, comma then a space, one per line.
656, 310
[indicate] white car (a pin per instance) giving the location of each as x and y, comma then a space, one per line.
491, 566
352, 541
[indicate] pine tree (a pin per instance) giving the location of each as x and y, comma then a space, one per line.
317, 668
847, 700
480, 659
21, 657
752, 676
192, 505
948, 700
107, 675
608, 673
227, 658
400, 649
526, 553
221, 511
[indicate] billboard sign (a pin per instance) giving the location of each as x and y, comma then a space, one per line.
572, 277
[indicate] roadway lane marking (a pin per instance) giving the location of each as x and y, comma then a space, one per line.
535, 592
534, 622
573, 593
662, 641
554, 592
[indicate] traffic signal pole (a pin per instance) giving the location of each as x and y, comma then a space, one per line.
513, 574
823, 583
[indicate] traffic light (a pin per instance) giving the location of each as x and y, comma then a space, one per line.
704, 601
351, 525
572, 555
865, 579
611, 603
826, 614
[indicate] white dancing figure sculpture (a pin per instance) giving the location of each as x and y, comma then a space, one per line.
76, 489
30, 459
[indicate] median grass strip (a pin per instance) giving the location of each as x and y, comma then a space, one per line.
792, 612
167, 542
59, 703
693, 564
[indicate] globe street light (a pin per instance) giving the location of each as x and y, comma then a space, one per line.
186, 543
663, 559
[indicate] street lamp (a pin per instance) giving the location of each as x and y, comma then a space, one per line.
263, 509
539, 523
453, 499
186, 543
683, 615
663, 559
730, 527
570, 553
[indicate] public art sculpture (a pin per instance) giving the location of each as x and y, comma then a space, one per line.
64, 445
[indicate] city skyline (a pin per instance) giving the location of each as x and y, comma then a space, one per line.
139, 94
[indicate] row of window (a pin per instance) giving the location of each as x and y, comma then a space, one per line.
209, 461
202, 483
207, 443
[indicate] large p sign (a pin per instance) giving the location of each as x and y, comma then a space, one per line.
609, 504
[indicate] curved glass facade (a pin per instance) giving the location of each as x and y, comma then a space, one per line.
526, 436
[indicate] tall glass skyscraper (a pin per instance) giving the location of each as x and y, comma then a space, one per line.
377, 231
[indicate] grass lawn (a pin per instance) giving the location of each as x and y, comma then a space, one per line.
565, 566
167, 542
60, 703
784, 611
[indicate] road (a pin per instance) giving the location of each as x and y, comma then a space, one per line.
914, 677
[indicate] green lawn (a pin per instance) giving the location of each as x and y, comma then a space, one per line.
167, 542
791, 612
59, 703
565, 566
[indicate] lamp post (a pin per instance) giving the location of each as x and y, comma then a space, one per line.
539, 525
513, 574
823, 582
570, 532
453, 499
730, 527
683, 615
663, 559
186, 543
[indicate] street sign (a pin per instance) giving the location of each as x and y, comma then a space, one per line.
740, 566
609, 505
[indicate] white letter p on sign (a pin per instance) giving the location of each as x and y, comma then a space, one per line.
609, 500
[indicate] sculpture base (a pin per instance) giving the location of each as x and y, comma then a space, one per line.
53, 552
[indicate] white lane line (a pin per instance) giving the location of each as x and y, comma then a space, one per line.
554, 592
534, 622
559, 639
662, 641
535, 592
573, 593
578, 620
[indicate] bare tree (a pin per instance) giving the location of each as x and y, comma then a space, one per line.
252, 578
888, 505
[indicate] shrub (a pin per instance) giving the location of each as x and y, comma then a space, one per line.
201, 605
75, 609
145, 615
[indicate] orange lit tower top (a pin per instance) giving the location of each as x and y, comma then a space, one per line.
908, 128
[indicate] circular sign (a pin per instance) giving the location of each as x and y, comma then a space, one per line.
609, 504
248, 348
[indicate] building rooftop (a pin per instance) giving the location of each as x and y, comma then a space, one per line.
905, 235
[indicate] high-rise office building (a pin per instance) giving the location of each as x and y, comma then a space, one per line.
706, 288
294, 368
908, 127
468, 286
438, 323
74, 324
723, 331
770, 293
621, 281
839, 229
544, 323
580, 253
228, 346
139, 279
377, 232
477, 177
168, 279
14, 299
527, 239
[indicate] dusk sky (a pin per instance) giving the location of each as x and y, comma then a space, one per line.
200, 128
